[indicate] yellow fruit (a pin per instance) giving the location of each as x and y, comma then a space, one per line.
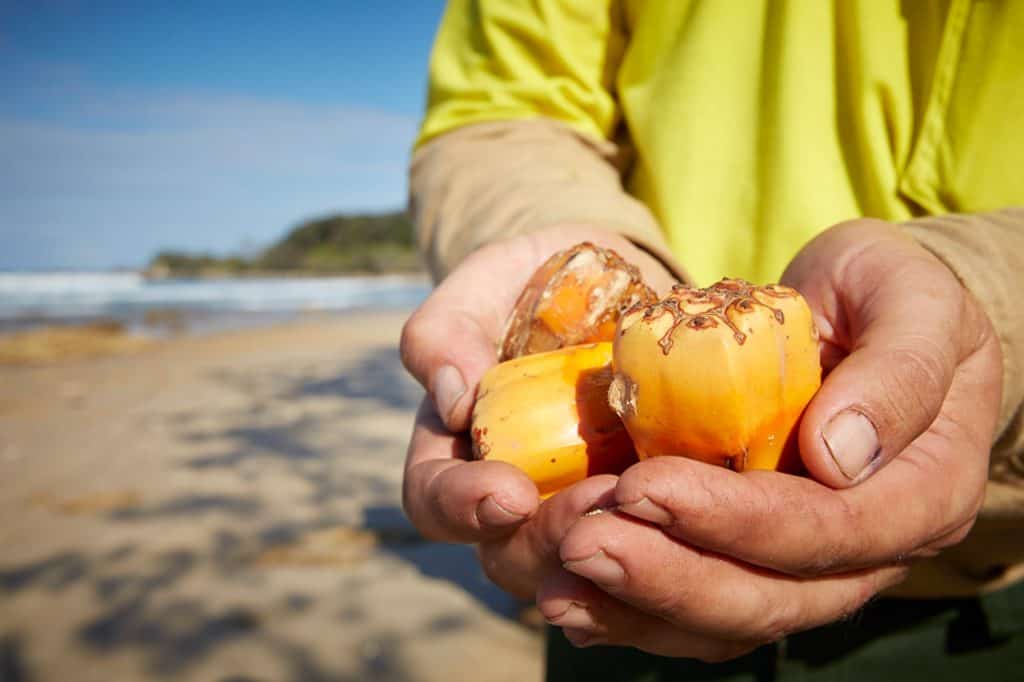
548, 414
721, 374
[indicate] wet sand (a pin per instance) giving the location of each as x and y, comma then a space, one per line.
228, 508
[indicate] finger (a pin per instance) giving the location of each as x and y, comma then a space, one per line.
905, 323
706, 594
450, 341
451, 499
800, 527
518, 562
590, 617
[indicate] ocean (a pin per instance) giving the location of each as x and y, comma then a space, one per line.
33, 299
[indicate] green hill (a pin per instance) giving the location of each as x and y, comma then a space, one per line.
338, 244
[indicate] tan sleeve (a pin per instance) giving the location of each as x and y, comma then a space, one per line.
489, 181
986, 252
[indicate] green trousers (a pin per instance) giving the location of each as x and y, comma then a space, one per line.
972, 640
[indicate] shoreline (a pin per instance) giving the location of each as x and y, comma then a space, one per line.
214, 275
53, 341
174, 306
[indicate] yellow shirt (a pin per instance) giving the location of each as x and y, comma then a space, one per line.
755, 125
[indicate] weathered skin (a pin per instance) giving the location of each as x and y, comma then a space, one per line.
719, 374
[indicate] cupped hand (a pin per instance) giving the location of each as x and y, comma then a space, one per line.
699, 561
447, 345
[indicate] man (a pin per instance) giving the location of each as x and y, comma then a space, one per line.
864, 153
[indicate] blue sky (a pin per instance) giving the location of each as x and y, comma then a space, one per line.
130, 127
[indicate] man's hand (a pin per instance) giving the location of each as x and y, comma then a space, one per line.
447, 345
702, 562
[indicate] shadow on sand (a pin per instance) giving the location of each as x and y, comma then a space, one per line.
141, 603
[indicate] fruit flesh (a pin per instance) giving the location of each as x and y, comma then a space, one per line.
575, 297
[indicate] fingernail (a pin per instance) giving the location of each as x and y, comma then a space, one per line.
600, 568
852, 440
581, 638
448, 388
576, 616
490, 513
648, 511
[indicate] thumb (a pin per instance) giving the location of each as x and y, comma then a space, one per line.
903, 323
451, 340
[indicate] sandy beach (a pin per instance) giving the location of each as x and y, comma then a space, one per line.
227, 507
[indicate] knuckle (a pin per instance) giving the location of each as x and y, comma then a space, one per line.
851, 548
757, 507
673, 601
861, 258
914, 392
682, 598
834, 552
413, 504
445, 512
411, 338
696, 497
455, 515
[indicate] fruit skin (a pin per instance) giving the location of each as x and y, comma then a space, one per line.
721, 374
548, 414
575, 297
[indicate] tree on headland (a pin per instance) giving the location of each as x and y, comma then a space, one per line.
328, 245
